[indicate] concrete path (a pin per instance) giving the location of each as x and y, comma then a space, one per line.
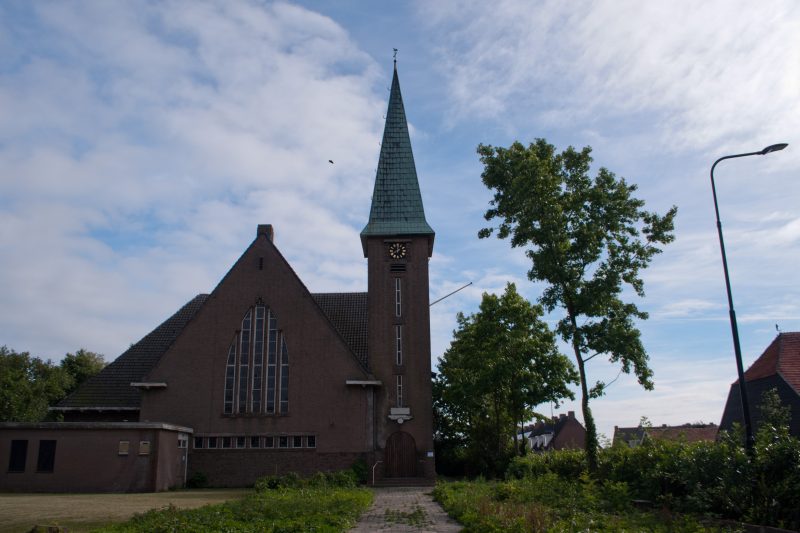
402, 509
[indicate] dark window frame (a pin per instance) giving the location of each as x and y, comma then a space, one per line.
46, 458
18, 453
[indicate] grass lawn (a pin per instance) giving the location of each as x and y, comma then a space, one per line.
82, 512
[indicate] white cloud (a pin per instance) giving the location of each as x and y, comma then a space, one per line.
140, 144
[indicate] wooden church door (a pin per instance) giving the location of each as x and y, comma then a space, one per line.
401, 455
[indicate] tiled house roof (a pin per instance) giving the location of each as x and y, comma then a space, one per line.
396, 200
633, 436
347, 312
781, 357
111, 388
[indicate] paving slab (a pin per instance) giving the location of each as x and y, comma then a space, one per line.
404, 509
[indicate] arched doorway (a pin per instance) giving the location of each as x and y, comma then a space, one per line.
400, 455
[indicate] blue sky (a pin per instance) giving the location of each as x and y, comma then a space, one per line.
142, 142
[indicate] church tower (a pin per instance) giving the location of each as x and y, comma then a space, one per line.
398, 242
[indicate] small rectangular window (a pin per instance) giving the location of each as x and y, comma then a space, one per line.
398, 333
227, 442
269, 442
198, 443
212, 442
183, 441
255, 442
144, 447
399, 391
398, 309
297, 441
283, 442
47, 456
124, 447
18, 456
311, 441
240, 442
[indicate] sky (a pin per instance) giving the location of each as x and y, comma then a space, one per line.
142, 142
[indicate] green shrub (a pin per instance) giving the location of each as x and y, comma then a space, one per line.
198, 480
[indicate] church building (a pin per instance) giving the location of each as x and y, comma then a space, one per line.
261, 376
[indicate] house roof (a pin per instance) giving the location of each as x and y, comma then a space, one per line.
686, 432
781, 357
347, 312
396, 199
111, 388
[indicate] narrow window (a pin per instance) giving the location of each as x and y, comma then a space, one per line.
240, 442
125, 447
398, 309
255, 442
226, 442
297, 441
398, 334
18, 456
258, 360
47, 456
198, 443
399, 391
284, 377
269, 442
183, 441
144, 447
283, 442
272, 358
311, 441
230, 378
212, 442
244, 360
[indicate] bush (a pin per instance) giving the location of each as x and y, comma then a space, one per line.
198, 480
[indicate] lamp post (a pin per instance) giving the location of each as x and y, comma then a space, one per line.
748, 427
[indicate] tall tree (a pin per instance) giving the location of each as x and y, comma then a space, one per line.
80, 366
587, 239
503, 361
28, 386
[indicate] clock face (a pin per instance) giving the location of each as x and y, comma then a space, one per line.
397, 250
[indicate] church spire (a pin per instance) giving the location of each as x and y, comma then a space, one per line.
396, 200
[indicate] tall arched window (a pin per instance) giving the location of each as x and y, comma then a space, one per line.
244, 370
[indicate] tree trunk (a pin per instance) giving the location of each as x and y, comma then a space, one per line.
588, 419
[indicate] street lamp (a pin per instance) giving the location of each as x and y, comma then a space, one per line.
748, 427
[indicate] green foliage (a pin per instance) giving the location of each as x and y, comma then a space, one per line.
292, 505
361, 470
502, 362
28, 386
198, 480
554, 504
586, 239
709, 478
80, 366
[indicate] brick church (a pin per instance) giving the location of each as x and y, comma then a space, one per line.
262, 377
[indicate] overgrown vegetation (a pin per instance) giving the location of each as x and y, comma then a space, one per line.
715, 479
554, 504
326, 502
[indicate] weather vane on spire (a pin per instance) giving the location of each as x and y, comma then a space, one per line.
395, 55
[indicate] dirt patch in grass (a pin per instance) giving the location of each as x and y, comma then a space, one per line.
82, 512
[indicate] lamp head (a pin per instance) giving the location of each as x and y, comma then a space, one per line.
773, 148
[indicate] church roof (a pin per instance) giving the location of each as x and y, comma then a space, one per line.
781, 357
111, 388
347, 312
396, 199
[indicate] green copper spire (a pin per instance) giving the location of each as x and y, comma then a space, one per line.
396, 200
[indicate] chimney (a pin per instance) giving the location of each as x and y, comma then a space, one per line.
562, 416
571, 414
266, 230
